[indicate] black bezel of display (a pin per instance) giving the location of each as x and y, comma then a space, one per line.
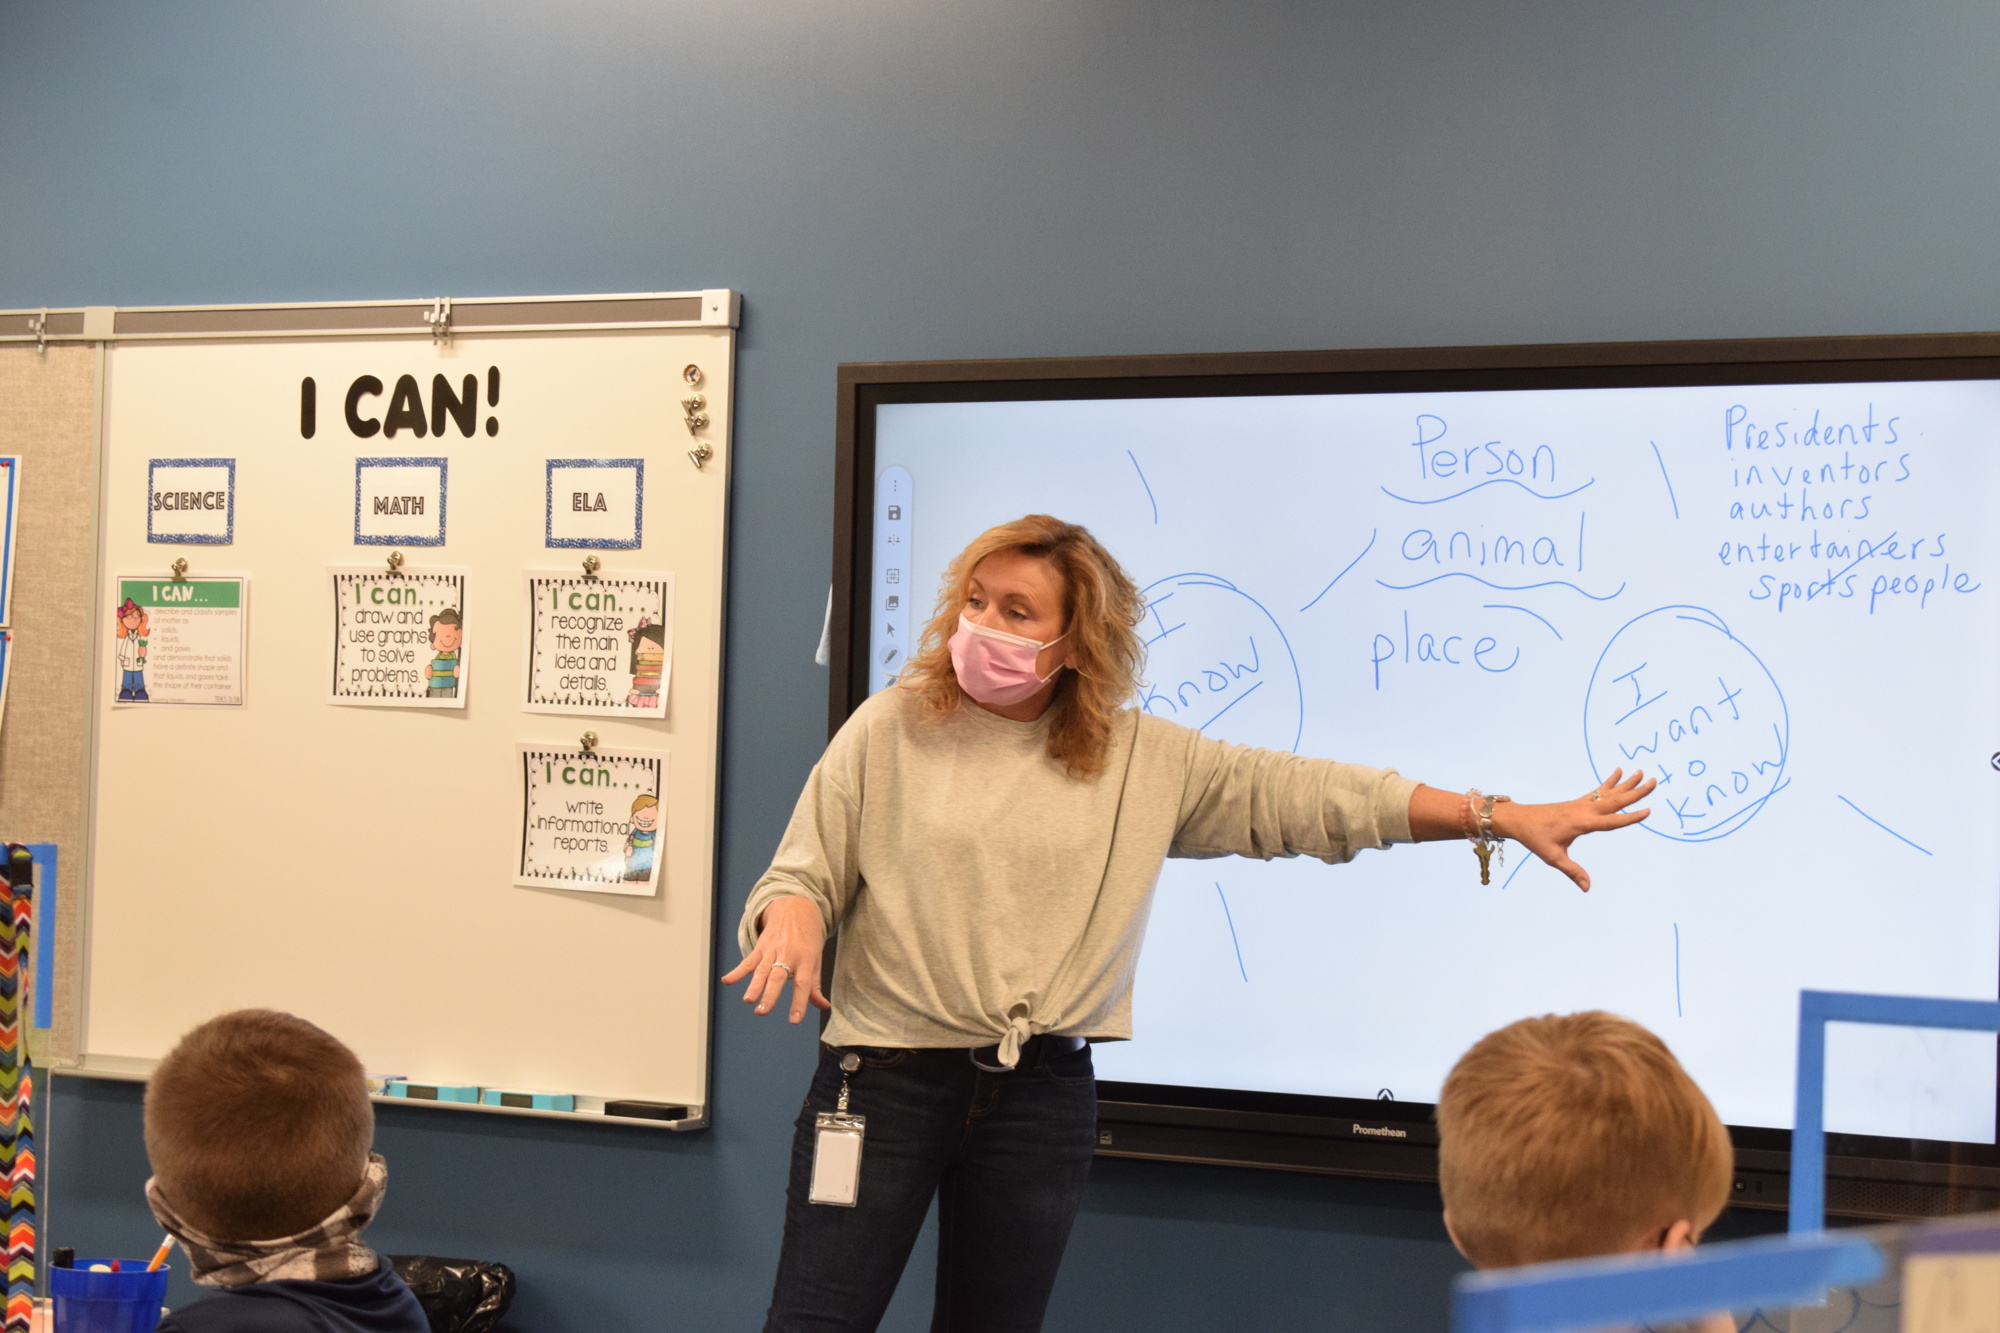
1867, 1176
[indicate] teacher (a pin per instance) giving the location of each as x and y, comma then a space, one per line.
986, 836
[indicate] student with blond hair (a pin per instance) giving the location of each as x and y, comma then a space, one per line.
986, 836
1563, 1137
260, 1133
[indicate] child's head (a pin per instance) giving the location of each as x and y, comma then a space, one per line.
446, 632
645, 812
1575, 1135
258, 1126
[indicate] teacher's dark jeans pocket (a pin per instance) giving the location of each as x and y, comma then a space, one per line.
1075, 1069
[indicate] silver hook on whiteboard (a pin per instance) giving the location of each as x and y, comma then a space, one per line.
700, 454
395, 564
180, 568
439, 318
39, 325
591, 564
589, 742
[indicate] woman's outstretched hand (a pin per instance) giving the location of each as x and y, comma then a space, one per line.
789, 939
1548, 830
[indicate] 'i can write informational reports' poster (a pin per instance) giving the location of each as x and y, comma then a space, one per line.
602, 645
592, 819
179, 641
399, 637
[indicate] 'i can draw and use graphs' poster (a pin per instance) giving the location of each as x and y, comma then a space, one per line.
399, 637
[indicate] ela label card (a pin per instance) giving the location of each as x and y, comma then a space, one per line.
596, 502
591, 819
399, 638
602, 646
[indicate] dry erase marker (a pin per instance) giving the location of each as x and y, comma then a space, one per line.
523, 1099
638, 1110
435, 1092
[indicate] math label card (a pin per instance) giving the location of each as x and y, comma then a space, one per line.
399, 638
179, 641
400, 501
603, 646
591, 819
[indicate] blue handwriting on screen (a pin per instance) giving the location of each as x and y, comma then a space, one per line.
1679, 695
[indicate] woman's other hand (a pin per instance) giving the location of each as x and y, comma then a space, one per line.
1548, 830
789, 940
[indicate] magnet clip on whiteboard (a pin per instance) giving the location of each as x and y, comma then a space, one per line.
395, 564
588, 741
179, 569
591, 564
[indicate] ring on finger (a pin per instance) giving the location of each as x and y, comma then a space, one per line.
786, 966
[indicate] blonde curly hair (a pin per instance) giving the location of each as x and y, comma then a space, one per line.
1102, 608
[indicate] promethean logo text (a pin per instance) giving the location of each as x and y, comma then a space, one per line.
1382, 1131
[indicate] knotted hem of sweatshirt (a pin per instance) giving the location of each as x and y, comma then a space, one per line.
1019, 1030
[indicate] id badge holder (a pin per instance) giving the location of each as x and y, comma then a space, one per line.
836, 1177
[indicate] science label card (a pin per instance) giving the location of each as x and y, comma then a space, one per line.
179, 641
399, 636
592, 819
602, 646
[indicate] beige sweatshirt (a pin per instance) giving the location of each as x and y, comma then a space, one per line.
982, 895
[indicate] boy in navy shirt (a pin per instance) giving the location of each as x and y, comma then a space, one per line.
259, 1130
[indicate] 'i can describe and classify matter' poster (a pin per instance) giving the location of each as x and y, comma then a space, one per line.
602, 646
179, 641
399, 637
591, 819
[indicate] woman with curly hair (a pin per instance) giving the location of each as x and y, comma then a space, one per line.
986, 836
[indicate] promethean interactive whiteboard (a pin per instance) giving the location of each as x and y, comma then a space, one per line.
1764, 573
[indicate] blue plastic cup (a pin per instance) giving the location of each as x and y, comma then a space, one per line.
127, 1301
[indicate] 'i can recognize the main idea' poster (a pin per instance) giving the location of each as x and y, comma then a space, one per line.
399, 637
592, 819
601, 645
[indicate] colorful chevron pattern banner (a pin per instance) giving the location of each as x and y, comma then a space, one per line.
17, 1129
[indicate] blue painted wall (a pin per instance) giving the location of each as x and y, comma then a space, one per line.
893, 179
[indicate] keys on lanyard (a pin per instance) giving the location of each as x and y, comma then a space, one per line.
836, 1173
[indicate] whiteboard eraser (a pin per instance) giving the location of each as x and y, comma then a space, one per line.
522, 1099
435, 1092
637, 1110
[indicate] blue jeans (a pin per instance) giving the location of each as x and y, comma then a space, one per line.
1006, 1155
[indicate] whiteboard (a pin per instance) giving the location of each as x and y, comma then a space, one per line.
1779, 599
356, 864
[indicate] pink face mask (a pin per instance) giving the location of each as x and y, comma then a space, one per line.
996, 667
